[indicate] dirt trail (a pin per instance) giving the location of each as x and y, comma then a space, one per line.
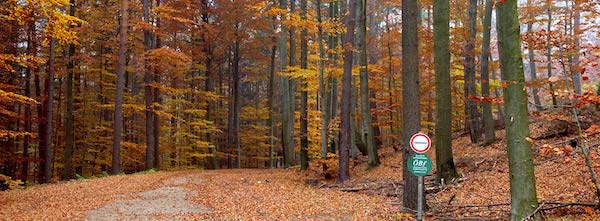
164, 203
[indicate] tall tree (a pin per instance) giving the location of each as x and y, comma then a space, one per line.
411, 115
148, 97
575, 65
488, 119
443, 95
532, 67
345, 127
118, 118
304, 93
549, 50
367, 123
473, 122
287, 139
323, 95
69, 130
46, 149
522, 177
237, 106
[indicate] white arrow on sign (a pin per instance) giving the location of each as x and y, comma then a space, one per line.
420, 143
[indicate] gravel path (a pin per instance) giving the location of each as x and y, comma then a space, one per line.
165, 203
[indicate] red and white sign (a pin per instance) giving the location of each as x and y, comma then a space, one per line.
420, 143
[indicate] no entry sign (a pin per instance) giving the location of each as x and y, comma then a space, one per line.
420, 143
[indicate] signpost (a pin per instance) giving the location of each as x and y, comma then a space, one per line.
420, 165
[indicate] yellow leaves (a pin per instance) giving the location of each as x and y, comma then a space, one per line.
12, 184
296, 72
10, 97
9, 134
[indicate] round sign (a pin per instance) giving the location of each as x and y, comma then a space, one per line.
420, 143
419, 164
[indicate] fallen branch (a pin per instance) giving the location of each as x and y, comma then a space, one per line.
560, 205
534, 212
355, 189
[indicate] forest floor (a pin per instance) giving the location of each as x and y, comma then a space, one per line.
563, 185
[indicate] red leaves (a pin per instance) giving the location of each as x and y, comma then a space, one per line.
493, 100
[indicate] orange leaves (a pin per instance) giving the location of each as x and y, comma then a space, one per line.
548, 150
593, 129
493, 100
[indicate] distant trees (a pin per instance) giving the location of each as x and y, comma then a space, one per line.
249, 83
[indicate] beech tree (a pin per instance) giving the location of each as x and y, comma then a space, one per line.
522, 178
443, 97
118, 118
411, 115
345, 127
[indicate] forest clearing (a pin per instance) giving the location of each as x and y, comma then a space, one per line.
299, 109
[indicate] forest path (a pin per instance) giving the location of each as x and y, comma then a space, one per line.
237, 194
164, 203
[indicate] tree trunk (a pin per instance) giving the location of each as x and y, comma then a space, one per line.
532, 67
271, 122
237, 102
157, 101
31, 49
473, 122
488, 119
118, 120
287, 139
575, 66
411, 122
367, 123
46, 149
304, 95
522, 179
148, 97
549, 52
345, 127
443, 99
69, 130
323, 95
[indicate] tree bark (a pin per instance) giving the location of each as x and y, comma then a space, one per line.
411, 115
46, 149
549, 52
323, 95
473, 121
118, 119
532, 67
69, 130
237, 102
522, 178
575, 66
287, 138
345, 127
488, 119
367, 122
443, 96
148, 97
304, 94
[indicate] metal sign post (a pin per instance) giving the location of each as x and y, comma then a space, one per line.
420, 200
420, 165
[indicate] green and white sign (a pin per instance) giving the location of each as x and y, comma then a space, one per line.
419, 164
